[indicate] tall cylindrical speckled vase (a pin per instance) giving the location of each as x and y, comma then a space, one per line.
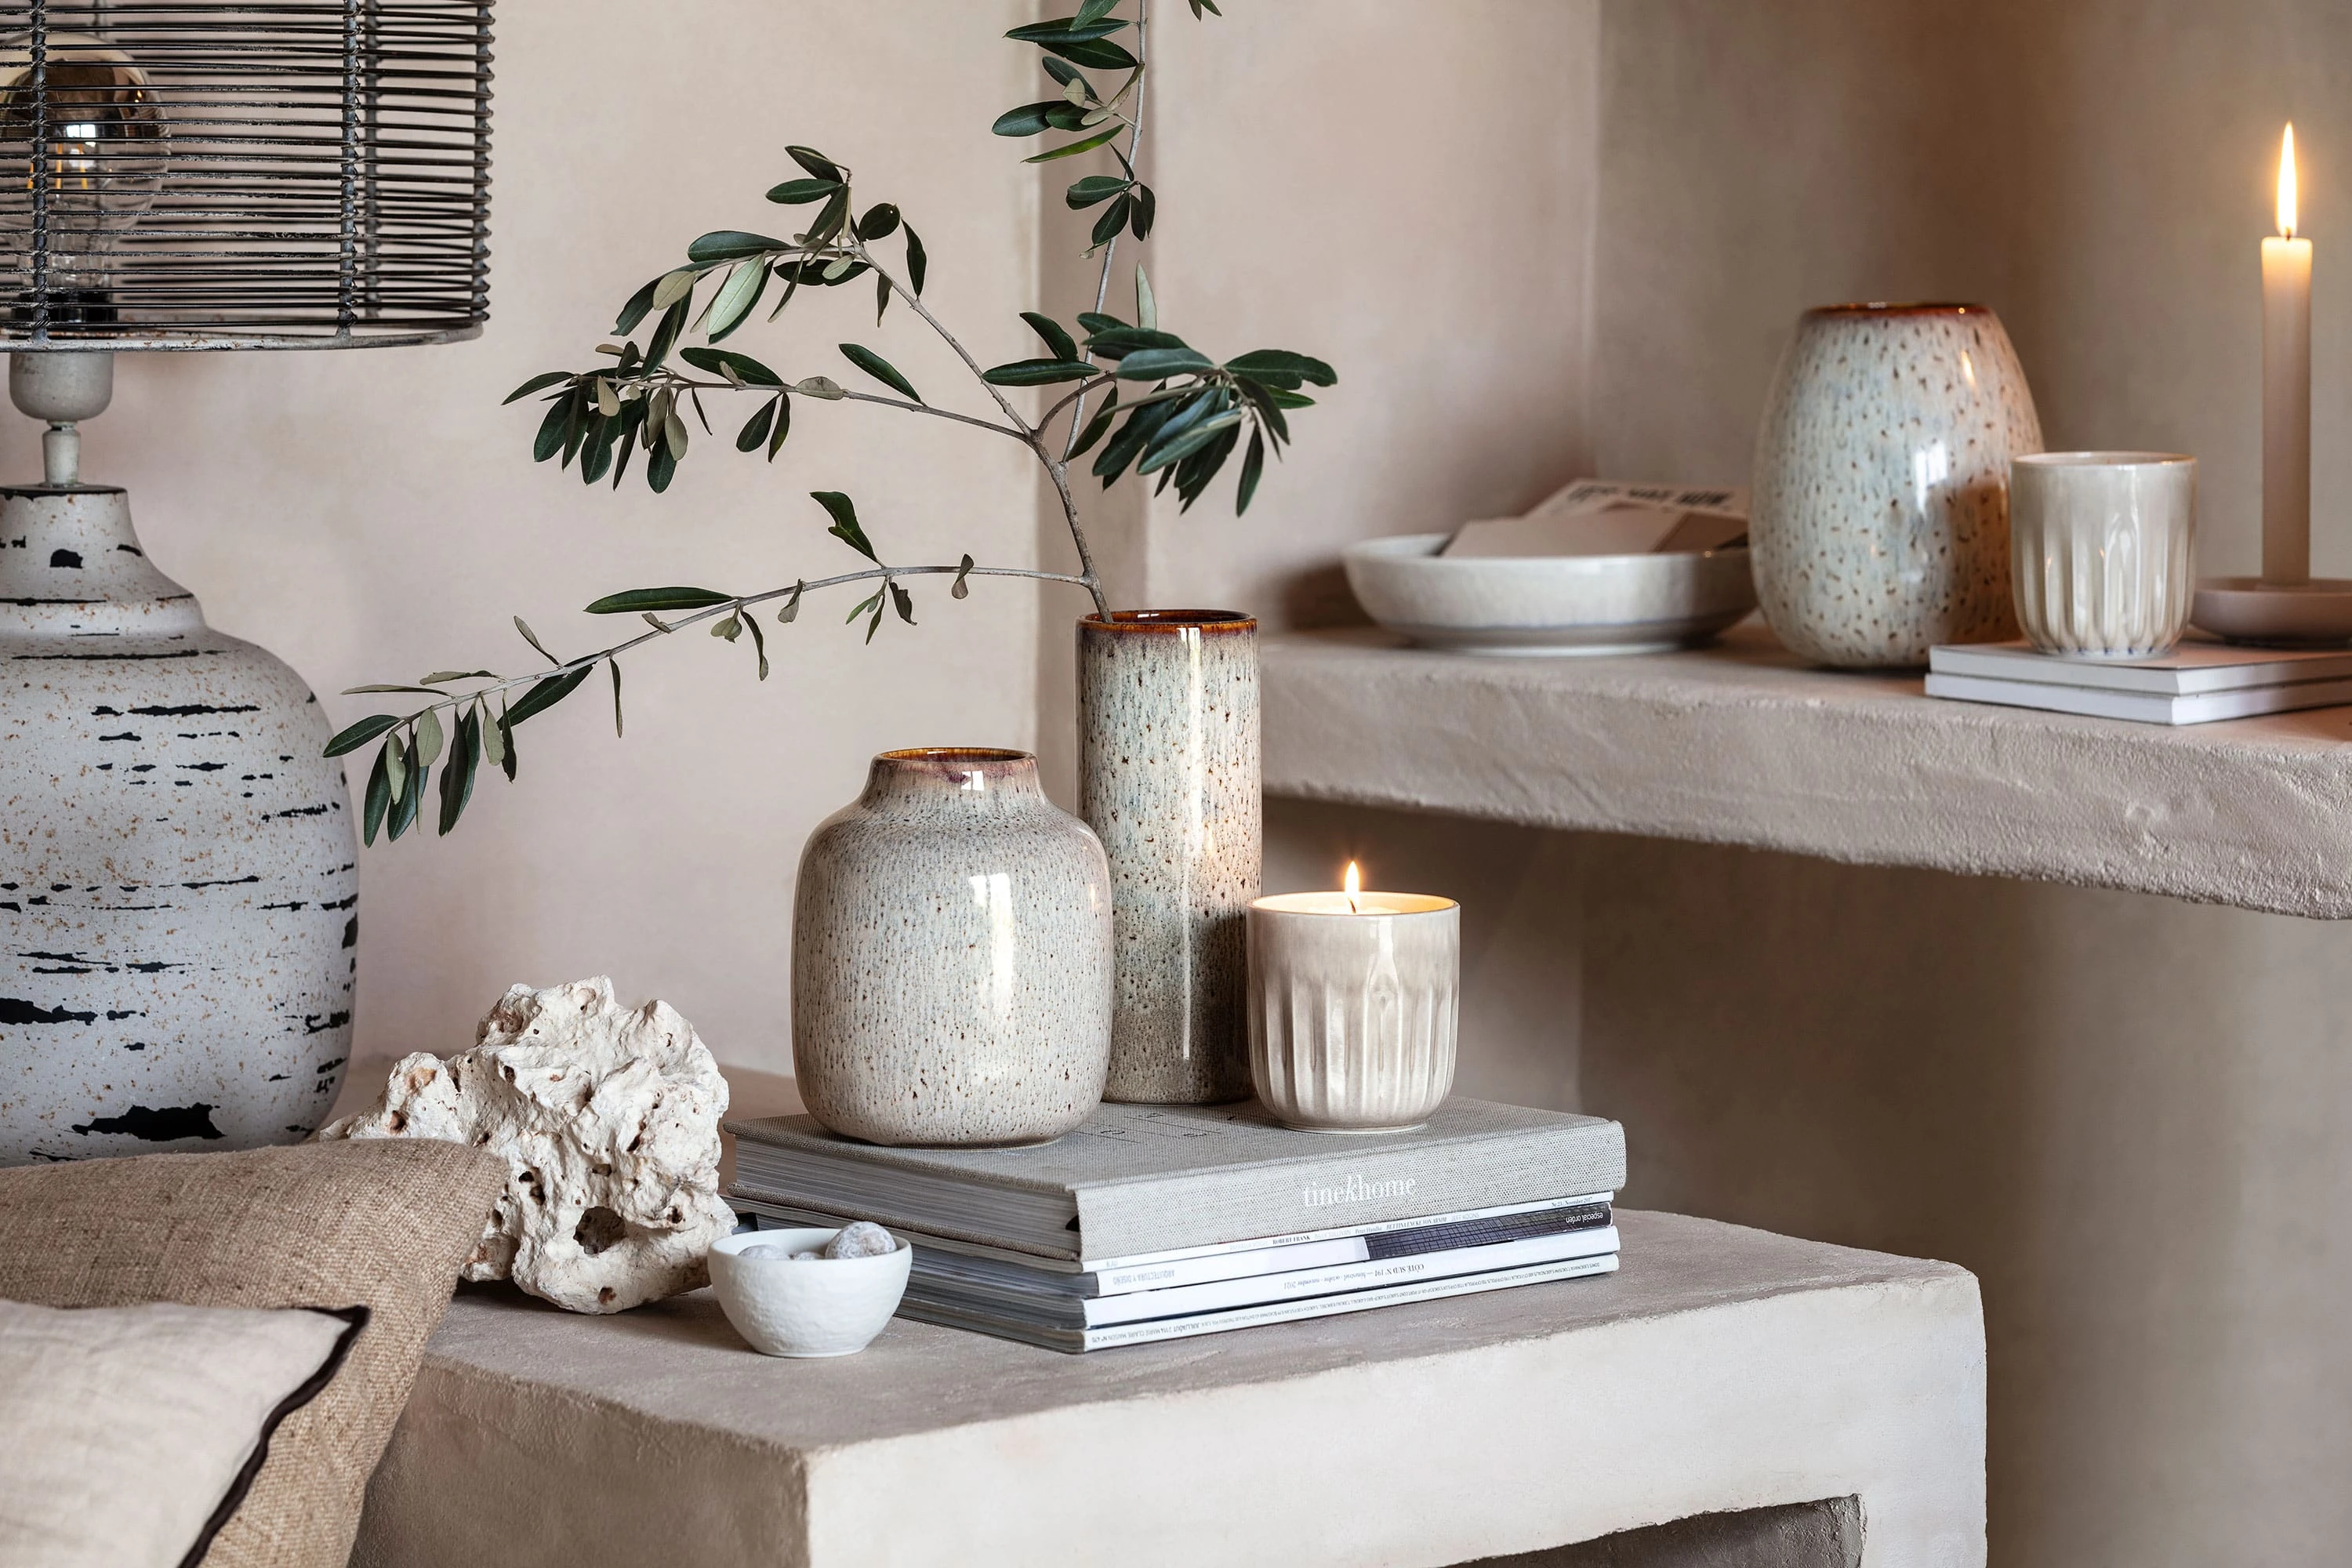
178, 877
1879, 518
1168, 776
951, 957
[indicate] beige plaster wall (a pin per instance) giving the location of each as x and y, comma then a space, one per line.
2119, 1110
372, 516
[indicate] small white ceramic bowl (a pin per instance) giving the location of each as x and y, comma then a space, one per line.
1548, 605
806, 1306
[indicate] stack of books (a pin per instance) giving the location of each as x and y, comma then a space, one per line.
2198, 682
1161, 1222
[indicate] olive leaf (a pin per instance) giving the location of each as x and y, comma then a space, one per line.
638, 600
880, 369
844, 527
358, 734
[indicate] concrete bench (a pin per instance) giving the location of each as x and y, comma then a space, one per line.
1723, 1369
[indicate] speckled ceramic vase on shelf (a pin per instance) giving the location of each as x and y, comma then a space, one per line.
1168, 775
178, 877
951, 957
1879, 517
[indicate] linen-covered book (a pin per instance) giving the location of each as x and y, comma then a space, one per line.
1136, 1180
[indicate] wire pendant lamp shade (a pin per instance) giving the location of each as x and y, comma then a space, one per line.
290, 174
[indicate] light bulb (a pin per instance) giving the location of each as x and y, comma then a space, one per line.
92, 149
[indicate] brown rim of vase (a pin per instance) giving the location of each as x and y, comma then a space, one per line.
1210, 621
956, 759
1883, 308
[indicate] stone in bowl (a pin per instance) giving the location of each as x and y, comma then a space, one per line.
805, 1307
1549, 604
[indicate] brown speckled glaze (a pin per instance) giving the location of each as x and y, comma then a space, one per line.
178, 880
1168, 776
1879, 518
951, 957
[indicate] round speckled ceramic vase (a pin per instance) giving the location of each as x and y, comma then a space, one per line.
1879, 517
1168, 775
951, 957
178, 877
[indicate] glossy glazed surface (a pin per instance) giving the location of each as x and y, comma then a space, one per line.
1168, 776
1879, 513
2102, 551
178, 874
951, 957
1551, 605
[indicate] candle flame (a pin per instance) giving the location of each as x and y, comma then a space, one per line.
2286, 183
1354, 883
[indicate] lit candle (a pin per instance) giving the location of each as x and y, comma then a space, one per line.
1353, 999
2286, 390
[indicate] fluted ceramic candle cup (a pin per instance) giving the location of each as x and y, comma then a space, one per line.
1353, 1007
2102, 550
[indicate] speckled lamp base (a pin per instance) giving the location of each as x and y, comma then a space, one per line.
951, 957
178, 879
1169, 779
1879, 514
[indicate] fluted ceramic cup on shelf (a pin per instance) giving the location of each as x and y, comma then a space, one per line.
1353, 1003
2102, 547
1168, 776
951, 957
1878, 519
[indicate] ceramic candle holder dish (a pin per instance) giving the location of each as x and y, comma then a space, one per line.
1353, 1000
2102, 551
1548, 605
805, 1307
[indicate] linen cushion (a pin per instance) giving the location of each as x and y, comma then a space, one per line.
384, 1225
134, 1432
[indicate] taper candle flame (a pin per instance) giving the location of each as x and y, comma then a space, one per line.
2286, 183
1354, 883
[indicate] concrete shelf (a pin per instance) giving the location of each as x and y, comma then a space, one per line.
1742, 744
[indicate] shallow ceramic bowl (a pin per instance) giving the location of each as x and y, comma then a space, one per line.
1548, 605
806, 1306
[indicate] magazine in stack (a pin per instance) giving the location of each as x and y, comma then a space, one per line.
2198, 681
1157, 1222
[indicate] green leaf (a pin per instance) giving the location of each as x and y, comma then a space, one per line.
1056, 338
1141, 425
880, 369
1094, 188
755, 429
358, 734
1117, 342
1208, 6
1113, 219
666, 334
379, 797
861, 608
1103, 55
881, 222
783, 425
545, 694
730, 245
638, 600
1097, 425
1093, 11
823, 388
736, 298
1068, 29
537, 383
532, 638
1095, 321
1109, 133
791, 612
917, 261
758, 642
494, 736
673, 287
905, 603
1281, 368
844, 524
1147, 304
444, 675
718, 362
550, 439
1153, 364
506, 741
634, 310
428, 737
728, 628
1146, 211
362, 690
1031, 118
674, 435
661, 466
1290, 399
405, 804
1038, 371
395, 764
961, 590
800, 192
817, 164
1069, 75
614, 666
874, 619
1252, 464
457, 780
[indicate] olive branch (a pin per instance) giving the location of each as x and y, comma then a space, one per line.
1166, 408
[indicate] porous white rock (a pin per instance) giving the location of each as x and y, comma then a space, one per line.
608, 1121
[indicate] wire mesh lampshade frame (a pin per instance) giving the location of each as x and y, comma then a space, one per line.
277, 173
